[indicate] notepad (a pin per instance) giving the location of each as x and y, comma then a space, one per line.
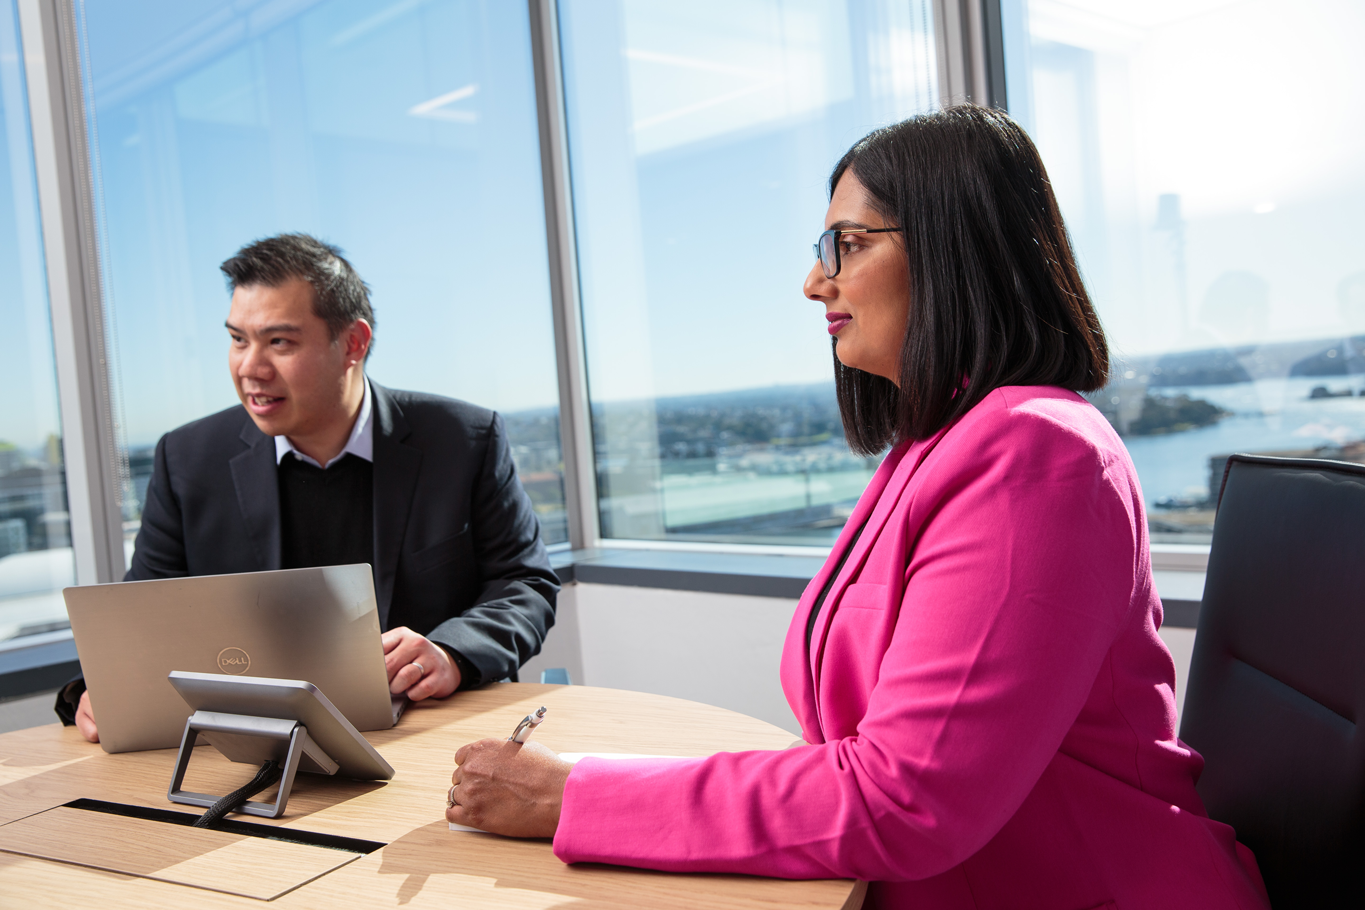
572, 758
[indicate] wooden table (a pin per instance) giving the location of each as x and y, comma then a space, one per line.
423, 864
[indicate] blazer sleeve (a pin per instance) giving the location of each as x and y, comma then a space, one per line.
515, 607
1020, 578
159, 551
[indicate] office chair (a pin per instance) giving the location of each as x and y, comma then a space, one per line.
1277, 680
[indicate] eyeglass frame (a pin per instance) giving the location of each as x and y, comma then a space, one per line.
836, 233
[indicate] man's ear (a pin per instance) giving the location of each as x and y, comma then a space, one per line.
357, 339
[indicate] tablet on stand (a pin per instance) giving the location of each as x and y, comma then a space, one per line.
255, 719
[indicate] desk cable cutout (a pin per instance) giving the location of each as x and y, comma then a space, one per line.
270, 773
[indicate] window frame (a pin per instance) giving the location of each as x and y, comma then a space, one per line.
971, 67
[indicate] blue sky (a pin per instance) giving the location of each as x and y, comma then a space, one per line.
26, 368
701, 136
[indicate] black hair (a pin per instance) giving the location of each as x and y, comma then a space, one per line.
339, 296
996, 297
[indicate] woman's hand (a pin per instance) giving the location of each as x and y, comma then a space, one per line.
508, 788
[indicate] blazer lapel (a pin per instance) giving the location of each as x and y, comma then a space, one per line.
258, 494
797, 657
395, 478
877, 515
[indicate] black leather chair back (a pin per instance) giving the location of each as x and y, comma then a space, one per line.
1277, 681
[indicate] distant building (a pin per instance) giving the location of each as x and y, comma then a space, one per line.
29, 493
13, 536
10, 457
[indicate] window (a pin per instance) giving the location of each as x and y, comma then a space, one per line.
404, 132
35, 536
701, 136
1206, 158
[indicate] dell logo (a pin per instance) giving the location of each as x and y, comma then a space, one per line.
233, 660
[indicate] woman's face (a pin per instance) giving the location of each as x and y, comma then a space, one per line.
868, 302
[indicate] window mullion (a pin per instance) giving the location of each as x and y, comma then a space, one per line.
575, 424
66, 201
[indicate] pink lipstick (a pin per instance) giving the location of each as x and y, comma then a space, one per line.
837, 321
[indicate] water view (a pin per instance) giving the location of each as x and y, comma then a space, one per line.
770, 466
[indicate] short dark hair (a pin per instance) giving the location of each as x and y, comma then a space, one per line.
995, 295
339, 296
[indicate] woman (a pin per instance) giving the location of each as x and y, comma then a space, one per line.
989, 710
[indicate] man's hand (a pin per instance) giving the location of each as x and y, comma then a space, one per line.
417, 667
508, 788
85, 719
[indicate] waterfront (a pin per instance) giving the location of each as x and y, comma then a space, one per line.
769, 466
778, 474
1267, 415
769, 494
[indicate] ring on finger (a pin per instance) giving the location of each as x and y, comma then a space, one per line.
450, 799
421, 670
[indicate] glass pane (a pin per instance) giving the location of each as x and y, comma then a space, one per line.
701, 137
35, 538
1206, 156
404, 132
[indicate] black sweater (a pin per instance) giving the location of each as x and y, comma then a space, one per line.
326, 516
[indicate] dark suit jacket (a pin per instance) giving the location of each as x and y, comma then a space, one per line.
457, 548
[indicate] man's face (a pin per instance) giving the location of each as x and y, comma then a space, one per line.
290, 374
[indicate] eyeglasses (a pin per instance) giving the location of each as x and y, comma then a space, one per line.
827, 247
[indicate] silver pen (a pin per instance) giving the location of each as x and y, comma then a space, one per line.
528, 723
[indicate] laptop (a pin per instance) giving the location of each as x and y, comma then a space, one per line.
319, 625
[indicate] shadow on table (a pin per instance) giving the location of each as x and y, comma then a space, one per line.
436, 850
521, 865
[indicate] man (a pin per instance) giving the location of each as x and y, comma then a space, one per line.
320, 466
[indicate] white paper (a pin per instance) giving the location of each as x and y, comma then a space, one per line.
574, 757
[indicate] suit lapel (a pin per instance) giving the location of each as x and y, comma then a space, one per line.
880, 512
395, 478
796, 655
258, 494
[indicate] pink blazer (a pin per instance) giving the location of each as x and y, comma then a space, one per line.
989, 709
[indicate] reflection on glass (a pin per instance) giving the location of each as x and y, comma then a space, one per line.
404, 131
701, 136
35, 534
1209, 172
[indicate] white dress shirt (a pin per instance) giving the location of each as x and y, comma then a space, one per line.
360, 444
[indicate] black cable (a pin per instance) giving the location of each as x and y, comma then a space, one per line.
269, 773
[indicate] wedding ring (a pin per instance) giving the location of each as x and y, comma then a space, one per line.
420, 669
450, 799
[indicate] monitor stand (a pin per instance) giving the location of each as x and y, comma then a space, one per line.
253, 740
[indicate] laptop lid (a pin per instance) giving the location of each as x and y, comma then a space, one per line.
320, 625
